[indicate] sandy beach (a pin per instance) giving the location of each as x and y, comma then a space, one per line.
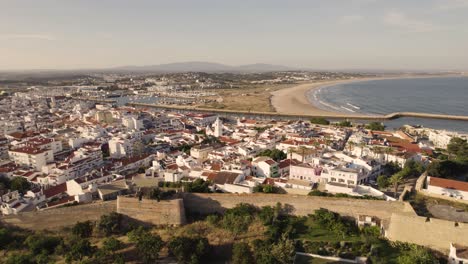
294, 100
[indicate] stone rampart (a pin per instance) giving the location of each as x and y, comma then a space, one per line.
433, 233
164, 212
57, 218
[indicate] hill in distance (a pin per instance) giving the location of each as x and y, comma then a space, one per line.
199, 66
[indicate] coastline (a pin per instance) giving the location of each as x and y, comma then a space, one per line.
294, 100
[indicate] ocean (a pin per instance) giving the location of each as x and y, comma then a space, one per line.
438, 95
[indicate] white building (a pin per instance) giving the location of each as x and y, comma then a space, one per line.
132, 123
446, 187
265, 167
305, 172
32, 156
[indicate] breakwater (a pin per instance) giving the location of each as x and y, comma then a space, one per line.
275, 115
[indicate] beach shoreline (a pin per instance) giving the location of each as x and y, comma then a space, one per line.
294, 100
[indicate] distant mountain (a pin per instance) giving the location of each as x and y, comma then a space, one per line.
200, 66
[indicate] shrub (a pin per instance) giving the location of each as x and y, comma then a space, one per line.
83, 229
110, 223
188, 250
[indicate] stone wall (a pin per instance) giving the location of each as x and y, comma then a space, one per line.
433, 233
299, 204
164, 212
54, 219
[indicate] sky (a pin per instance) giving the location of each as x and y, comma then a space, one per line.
317, 34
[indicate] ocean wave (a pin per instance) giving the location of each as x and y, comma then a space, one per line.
350, 110
353, 106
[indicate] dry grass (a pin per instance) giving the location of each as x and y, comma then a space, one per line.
255, 98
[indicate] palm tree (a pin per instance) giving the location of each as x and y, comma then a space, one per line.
396, 180
303, 150
351, 145
362, 145
388, 151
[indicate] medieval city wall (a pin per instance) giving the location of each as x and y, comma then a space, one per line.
430, 232
164, 212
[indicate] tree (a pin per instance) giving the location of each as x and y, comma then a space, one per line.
42, 243
79, 249
262, 252
110, 223
149, 246
274, 154
344, 123
111, 244
5, 237
396, 180
319, 121
188, 250
284, 250
20, 184
83, 229
241, 254
382, 181
375, 126
20, 258
458, 148
416, 255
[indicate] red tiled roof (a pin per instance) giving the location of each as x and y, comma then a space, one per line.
449, 184
53, 191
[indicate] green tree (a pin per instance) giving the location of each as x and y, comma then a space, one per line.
111, 244
38, 243
241, 254
319, 121
20, 184
274, 154
149, 246
377, 126
458, 148
188, 250
262, 252
382, 181
79, 249
344, 123
110, 223
83, 229
284, 250
6, 238
396, 180
17, 258
416, 255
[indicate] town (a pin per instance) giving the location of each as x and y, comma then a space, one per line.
67, 146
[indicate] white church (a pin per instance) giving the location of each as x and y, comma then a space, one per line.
216, 129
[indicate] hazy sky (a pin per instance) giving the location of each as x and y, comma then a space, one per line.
322, 34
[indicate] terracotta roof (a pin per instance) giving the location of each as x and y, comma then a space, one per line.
448, 184
53, 191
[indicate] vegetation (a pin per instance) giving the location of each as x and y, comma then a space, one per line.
456, 164
319, 121
274, 154
20, 184
377, 126
344, 123
188, 250
274, 235
383, 181
266, 188
110, 224
147, 244
241, 254
342, 195
83, 229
